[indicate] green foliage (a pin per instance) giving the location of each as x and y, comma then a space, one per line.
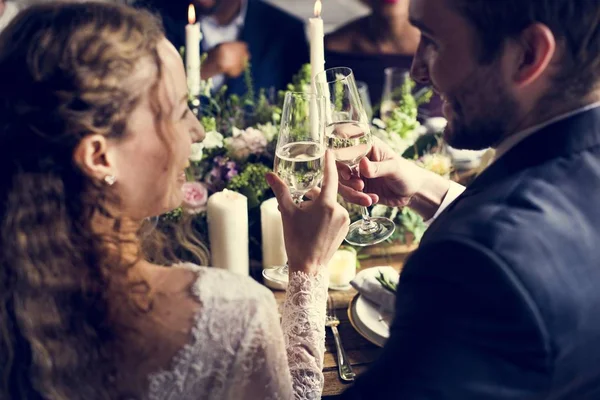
301, 82
251, 183
387, 283
173, 215
408, 221
403, 119
209, 123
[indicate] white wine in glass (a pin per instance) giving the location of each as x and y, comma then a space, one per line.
300, 153
300, 166
348, 135
348, 141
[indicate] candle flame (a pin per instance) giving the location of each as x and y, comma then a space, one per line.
191, 14
318, 8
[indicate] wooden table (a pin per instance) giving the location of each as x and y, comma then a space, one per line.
360, 351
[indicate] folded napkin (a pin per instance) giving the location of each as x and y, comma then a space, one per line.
367, 285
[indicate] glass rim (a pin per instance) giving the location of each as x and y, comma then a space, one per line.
392, 70
303, 94
347, 74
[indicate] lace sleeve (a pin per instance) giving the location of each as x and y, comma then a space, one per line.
303, 324
238, 350
272, 375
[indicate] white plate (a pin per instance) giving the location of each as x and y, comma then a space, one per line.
368, 324
368, 321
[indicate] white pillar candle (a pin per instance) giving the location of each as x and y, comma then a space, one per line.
273, 245
192, 52
227, 214
342, 268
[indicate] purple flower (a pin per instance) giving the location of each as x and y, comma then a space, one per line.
223, 171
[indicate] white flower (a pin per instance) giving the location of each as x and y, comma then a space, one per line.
268, 130
196, 153
441, 164
213, 140
246, 142
236, 132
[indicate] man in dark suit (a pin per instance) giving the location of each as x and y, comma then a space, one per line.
502, 298
236, 32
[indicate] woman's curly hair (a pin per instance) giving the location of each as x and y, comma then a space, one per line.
66, 70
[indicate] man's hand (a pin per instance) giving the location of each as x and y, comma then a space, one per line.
389, 179
230, 58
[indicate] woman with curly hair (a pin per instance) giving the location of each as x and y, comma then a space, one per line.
95, 134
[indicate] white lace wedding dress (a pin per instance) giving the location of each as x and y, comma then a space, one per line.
238, 347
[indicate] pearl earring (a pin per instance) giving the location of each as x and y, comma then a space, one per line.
110, 180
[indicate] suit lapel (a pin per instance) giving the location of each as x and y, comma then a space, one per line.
565, 137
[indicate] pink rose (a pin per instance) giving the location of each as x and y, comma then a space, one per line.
246, 142
195, 196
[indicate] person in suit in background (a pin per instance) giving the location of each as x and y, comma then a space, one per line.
236, 32
501, 299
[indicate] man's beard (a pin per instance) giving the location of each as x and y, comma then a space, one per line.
482, 112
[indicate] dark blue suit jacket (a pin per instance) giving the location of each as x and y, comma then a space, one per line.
276, 42
502, 298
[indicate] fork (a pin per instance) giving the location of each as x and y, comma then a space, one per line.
332, 321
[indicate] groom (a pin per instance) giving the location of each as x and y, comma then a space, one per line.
502, 299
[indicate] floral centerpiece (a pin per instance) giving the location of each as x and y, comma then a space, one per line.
239, 149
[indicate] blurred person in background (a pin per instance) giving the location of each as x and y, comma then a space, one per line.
383, 39
238, 32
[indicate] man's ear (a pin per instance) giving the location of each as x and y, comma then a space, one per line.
536, 48
91, 156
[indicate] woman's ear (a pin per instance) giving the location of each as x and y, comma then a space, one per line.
91, 156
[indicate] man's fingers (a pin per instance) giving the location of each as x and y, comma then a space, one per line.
352, 196
370, 169
354, 183
330, 178
281, 191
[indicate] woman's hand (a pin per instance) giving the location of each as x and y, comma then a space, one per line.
314, 229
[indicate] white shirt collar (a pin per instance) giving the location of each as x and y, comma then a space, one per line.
513, 140
238, 21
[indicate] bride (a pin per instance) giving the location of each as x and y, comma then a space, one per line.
95, 133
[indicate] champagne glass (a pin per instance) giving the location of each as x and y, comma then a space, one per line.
348, 135
365, 97
300, 152
395, 79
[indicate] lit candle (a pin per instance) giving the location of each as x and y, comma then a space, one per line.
317, 60
227, 215
342, 268
273, 245
192, 52
317, 41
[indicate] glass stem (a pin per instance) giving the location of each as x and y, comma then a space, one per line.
367, 226
366, 218
297, 197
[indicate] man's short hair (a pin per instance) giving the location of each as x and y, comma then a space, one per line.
574, 23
